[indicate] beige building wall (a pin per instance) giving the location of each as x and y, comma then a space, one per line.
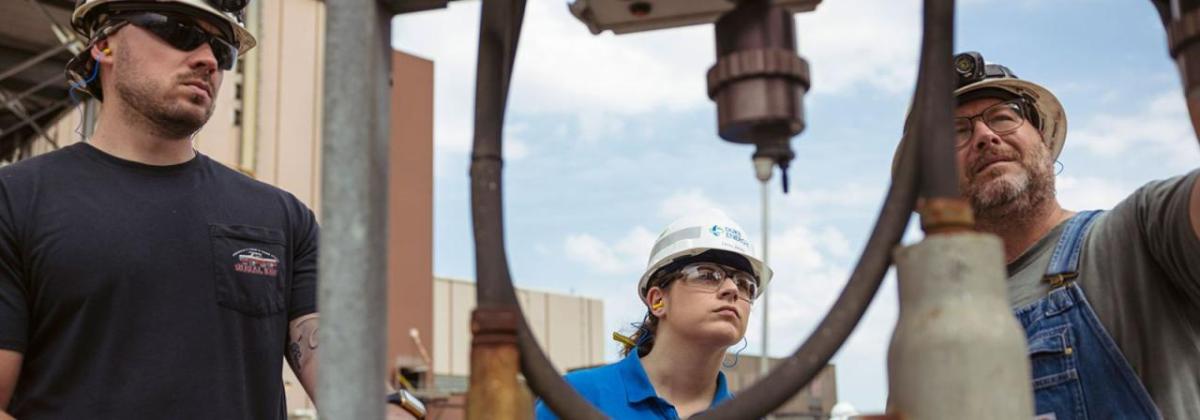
569, 328
813, 402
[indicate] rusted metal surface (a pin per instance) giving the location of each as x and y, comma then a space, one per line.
499, 31
495, 392
946, 215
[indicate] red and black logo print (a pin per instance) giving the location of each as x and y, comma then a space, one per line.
256, 261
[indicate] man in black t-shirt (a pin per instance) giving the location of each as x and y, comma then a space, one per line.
139, 278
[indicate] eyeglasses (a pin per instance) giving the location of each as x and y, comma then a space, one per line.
1002, 118
711, 276
185, 35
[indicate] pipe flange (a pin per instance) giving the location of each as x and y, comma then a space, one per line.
494, 325
944, 215
766, 62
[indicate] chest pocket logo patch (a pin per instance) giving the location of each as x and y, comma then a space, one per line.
256, 261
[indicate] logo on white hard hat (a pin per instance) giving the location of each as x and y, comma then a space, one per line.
730, 233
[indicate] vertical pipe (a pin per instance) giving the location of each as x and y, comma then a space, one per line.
938, 175
248, 150
352, 290
499, 32
764, 363
88, 119
957, 351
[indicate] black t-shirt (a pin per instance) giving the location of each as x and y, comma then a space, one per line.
149, 292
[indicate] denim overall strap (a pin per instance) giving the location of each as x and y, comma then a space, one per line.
1078, 370
1064, 263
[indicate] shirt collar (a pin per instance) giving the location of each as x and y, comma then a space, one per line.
638, 387
637, 384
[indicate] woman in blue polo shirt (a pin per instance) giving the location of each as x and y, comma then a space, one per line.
701, 279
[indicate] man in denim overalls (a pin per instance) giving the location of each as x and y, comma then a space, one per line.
1110, 301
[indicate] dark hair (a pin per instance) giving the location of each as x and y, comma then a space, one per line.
643, 338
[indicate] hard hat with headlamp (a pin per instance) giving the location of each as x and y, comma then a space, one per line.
97, 19
706, 236
978, 79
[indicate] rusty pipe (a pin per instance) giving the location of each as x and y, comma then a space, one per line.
499, 32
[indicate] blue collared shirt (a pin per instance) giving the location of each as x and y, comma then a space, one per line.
623, 391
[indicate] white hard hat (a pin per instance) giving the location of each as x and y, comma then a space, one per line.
1052, 118
87, 11
711, 232
997, 80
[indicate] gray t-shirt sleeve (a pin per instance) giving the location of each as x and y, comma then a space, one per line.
1164, 212
1141, 274
1158, 217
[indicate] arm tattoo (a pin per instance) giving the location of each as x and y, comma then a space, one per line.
302, 340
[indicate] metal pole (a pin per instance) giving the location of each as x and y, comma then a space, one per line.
764, 365
88, 119
352, 289
763, 169
34, 60
55, 107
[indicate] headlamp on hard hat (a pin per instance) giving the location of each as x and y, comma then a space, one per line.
971, 68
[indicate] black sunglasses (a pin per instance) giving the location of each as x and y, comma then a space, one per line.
184, 34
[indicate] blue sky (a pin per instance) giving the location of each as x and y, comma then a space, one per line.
609, 137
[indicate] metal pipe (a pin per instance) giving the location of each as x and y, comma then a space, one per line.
939, 175
765, 363
248, 145
499, 32
88, 119
799, 369
33, 61
25, 93
352, 289
26, 121
18, 109
957, 351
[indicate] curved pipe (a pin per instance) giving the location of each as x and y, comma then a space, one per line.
933, 150
499, 31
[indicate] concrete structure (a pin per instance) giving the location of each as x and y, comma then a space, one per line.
570, 329
814, 402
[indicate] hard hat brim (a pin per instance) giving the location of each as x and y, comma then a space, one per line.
1050, 112
80, 17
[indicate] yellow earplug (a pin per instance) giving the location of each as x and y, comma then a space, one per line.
658, 305
107, 51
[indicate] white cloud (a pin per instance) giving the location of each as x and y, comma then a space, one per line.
1083, 193
862, 43
686, 202
626, 255
1160, 127
562, 69
592, 252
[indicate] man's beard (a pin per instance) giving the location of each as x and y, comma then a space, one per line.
165, 118
1012, 195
